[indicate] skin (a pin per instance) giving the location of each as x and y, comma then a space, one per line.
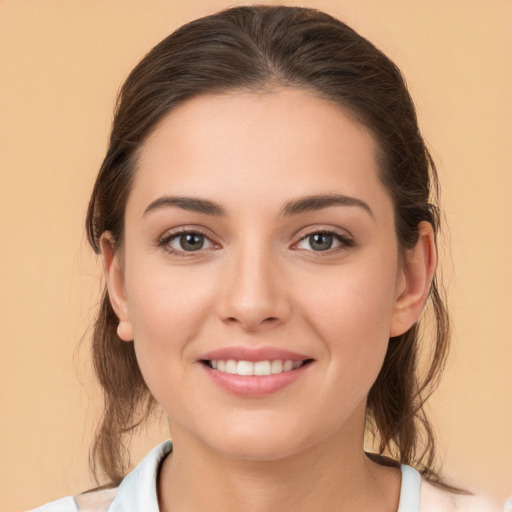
258, 281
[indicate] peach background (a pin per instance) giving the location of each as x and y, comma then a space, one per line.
61, 64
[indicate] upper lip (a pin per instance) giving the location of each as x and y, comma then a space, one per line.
253, 354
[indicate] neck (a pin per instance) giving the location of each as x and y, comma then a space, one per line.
334, 475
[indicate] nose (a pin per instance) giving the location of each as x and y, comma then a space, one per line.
254, 294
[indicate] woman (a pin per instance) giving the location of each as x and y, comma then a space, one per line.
267, 221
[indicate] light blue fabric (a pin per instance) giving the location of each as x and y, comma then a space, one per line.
410, 490
137, 492
66, 504
138, 489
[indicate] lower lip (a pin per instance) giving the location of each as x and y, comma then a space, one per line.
255, 385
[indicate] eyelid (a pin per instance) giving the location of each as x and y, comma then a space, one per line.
165, 240
345, 239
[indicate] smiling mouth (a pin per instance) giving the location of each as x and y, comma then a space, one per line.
255, 368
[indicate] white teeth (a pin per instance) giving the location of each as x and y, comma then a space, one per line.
231, 367
245, 368
255, 368
262, 368
276, 366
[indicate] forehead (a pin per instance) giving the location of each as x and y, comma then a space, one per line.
248, 146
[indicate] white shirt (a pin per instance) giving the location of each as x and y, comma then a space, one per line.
137, 493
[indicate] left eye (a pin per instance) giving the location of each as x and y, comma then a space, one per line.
321, 241
189, 242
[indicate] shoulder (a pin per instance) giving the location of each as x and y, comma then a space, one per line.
137, 490
435, 499
96, 501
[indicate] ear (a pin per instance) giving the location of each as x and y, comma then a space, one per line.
414, 281
114, 277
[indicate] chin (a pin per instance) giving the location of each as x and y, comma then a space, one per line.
266, 443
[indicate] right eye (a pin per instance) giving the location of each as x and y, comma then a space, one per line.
186, 242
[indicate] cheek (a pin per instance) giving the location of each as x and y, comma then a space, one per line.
167, 299
352, 314
168, 308
356, 299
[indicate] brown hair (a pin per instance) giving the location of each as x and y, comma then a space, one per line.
252, 48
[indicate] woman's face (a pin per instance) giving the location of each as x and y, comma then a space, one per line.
259, 239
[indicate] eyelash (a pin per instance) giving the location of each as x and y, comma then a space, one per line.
164, 242
345, 241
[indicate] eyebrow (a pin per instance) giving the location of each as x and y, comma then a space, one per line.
318, 202
294, 207
191, 204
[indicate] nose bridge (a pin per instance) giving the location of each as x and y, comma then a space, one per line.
254, 292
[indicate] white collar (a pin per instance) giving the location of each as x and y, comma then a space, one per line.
409, 490
138, 489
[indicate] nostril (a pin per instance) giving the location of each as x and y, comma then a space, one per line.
270, 319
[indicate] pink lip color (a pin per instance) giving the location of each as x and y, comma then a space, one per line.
254, 386
253, 354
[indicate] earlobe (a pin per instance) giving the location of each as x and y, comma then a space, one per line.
114, 278
416, 278
125, 331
